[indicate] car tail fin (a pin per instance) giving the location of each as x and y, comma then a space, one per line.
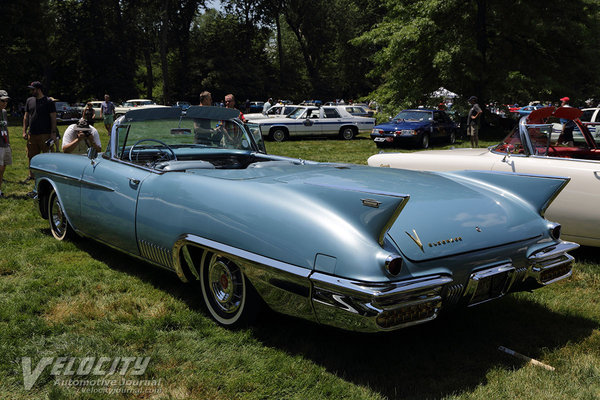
537, 190
374, 211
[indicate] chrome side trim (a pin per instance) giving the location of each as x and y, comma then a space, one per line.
74, 179
284, 287
156, 254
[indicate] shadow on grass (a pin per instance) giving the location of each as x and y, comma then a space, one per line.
450, 355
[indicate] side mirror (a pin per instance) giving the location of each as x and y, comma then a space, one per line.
92, 153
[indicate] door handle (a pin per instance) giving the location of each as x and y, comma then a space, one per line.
134, 181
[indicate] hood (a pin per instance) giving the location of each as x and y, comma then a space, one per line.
445, 214
395, 125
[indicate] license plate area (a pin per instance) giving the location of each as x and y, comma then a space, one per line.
489, 284
379, 139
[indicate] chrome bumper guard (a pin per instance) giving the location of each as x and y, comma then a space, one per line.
490, 284
552, 263
371, 307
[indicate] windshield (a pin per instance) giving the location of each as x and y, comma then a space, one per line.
198, 128
414, 115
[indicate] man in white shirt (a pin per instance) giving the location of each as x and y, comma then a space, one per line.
78, 137
267, 105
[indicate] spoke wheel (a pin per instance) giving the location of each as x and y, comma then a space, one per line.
227, 294
59, 226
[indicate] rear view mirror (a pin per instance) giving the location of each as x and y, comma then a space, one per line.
181, 131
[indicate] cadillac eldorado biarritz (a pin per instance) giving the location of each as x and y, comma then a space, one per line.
356, 247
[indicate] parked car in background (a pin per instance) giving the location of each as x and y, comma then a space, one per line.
523, 111
359, 248
315, 121
278, 110
130, 104
416, 127
255, 107
591, 118
531, 149
360, 111
65, 114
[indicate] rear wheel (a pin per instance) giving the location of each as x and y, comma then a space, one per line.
347, 133
59, 226
227, 293
278, 134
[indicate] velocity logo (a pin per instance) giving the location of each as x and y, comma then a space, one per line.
82, 366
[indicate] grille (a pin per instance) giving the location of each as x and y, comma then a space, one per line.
453, 294
409, 314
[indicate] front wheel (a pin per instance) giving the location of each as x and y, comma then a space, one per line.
452, 137
228, 295
425, 141
59, 226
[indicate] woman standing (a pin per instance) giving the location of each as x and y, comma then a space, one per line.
88, 114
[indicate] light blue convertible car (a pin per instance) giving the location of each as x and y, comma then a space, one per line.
356, 247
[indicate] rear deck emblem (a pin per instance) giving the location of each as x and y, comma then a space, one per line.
416, 239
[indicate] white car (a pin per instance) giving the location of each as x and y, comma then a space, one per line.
278, 110
130, 104
315, 121
530, 149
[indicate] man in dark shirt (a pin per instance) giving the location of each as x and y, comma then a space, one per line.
39, 122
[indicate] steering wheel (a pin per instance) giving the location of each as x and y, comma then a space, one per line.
162, 153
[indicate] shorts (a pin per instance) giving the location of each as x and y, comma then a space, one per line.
5, 156
36, 144
472, 130
108, 119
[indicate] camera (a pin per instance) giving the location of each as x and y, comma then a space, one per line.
49, 142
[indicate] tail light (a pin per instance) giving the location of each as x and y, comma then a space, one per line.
393, 264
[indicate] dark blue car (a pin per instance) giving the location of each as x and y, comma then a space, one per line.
416, 127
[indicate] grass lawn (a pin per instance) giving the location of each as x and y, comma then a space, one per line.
82, 299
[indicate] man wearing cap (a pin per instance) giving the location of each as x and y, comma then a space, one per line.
568, 126
39, 122
78, 137
473, 121
5, 152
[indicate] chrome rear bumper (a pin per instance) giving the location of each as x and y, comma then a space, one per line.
371, 307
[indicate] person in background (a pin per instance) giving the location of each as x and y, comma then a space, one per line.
230, 103
267, 105
474, 121
39, 123
205, 99
568, 126
107, 113
79, 137
5, 151
88, 113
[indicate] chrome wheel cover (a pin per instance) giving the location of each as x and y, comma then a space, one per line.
347, 133
278, 135
225, 286
58, 221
